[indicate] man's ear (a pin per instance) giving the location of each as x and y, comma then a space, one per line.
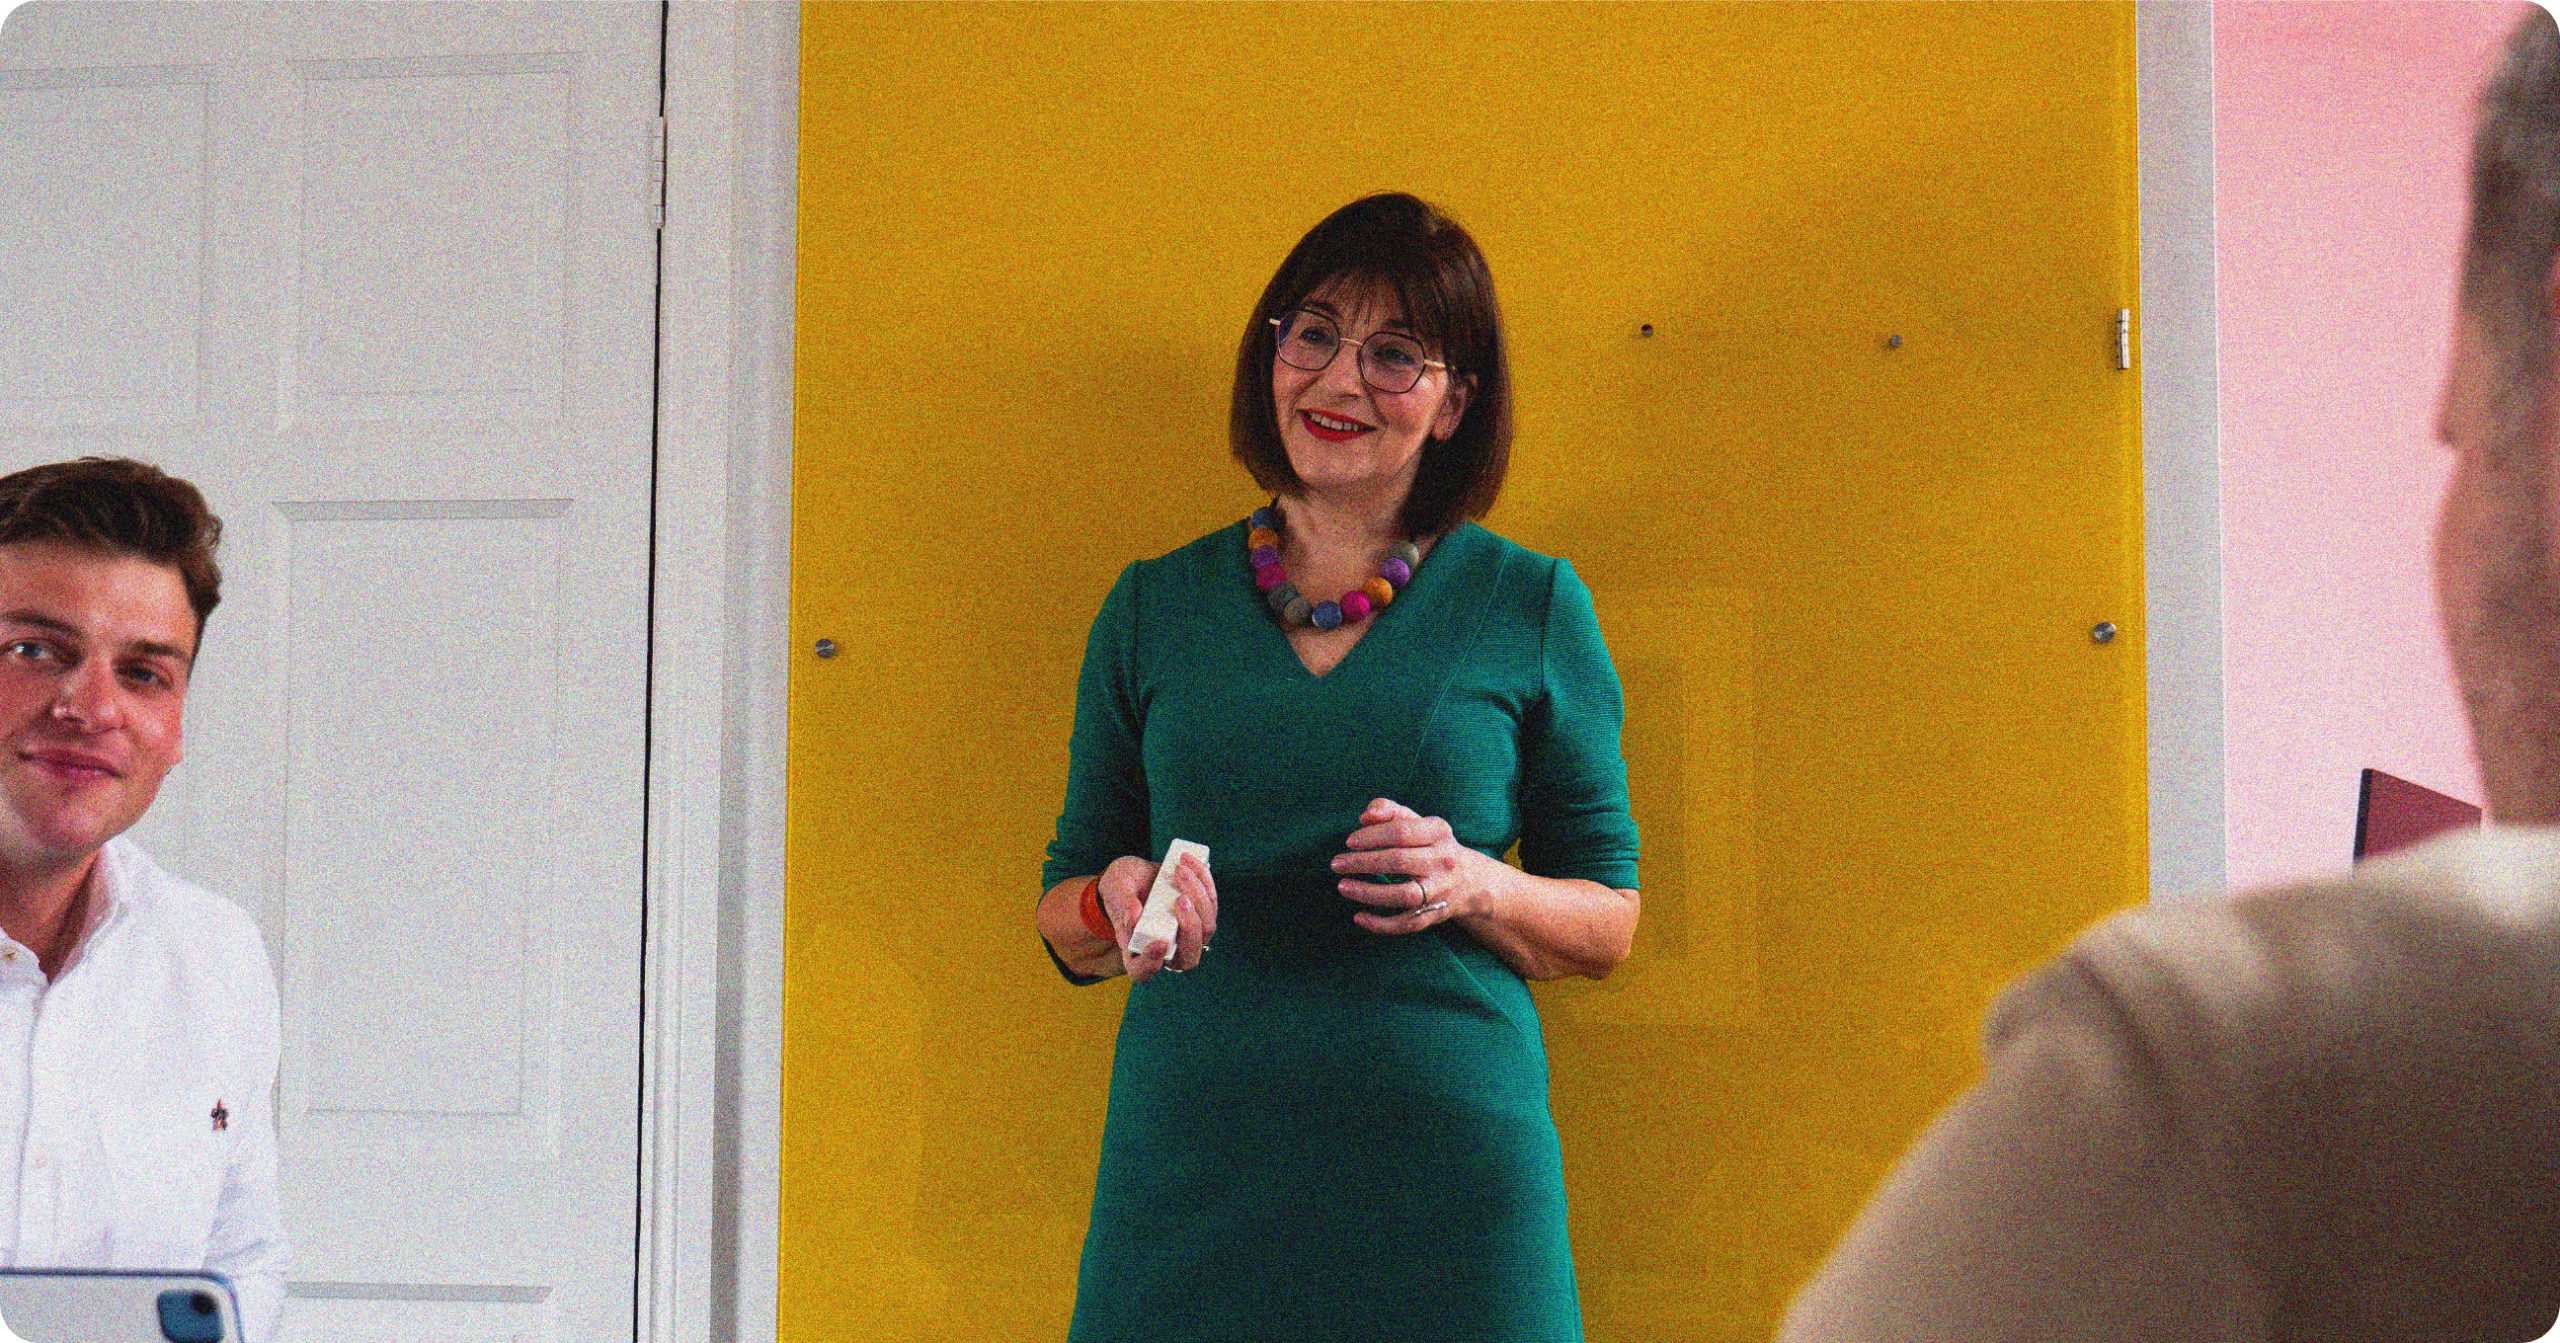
1453, 408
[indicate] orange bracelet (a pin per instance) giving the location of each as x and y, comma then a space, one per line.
1089, 905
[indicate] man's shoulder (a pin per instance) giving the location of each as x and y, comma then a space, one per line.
2500, 876
2367, 1067
168, 906
2477, 900
2452, 948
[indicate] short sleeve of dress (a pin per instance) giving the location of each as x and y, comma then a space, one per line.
1105, 815
1574, 820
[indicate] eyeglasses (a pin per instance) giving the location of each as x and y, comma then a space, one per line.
1388, 362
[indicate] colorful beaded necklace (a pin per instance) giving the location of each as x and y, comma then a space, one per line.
1262, 546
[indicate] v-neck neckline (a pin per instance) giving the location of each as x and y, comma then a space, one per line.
1278, 630
1308, 668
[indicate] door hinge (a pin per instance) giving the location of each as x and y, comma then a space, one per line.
2124, 338
658, 174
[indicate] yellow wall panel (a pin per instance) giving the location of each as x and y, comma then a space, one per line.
1879, 763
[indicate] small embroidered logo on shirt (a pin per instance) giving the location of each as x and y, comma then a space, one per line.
221, 1117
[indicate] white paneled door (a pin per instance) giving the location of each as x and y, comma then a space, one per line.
381, 278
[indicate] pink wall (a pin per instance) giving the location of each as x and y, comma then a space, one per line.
2341, 132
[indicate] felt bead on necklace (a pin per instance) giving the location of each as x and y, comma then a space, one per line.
1262, 546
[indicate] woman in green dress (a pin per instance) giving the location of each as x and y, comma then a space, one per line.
1328, 1115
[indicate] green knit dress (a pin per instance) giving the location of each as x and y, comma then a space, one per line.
1323, 1133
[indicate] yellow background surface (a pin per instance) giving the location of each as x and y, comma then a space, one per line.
1878, 761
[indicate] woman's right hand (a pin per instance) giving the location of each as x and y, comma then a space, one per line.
1195, 914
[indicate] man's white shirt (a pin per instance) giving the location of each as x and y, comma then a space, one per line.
137, 1122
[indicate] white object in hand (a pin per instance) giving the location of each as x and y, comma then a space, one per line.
1156, 922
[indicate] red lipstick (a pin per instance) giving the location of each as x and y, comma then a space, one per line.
1308, 419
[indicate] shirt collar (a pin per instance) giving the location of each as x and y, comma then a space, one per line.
111, 890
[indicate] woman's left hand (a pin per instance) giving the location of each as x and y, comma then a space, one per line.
1444, 878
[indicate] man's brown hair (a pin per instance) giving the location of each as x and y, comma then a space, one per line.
119, 506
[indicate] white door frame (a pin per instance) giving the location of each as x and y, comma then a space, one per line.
711, 1044
2181, 446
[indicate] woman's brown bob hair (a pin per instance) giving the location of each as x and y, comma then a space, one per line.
1405, 247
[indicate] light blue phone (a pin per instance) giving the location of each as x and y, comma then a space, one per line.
116, 1306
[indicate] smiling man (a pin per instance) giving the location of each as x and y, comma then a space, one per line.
138, 1028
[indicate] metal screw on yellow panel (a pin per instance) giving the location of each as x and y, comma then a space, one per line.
826, 648
1645, 330
2104, 632
1893, 342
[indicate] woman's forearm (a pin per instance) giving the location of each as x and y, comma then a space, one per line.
1061, 921
1551, 927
